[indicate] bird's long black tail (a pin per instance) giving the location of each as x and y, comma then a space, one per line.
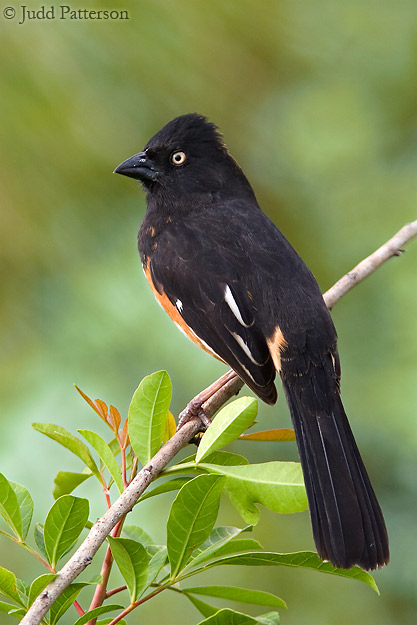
347, 521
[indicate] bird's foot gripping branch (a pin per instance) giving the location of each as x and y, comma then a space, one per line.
194, 543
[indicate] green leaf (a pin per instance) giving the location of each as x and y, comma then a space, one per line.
191, 518
92, 614
18, 613
204, 608
279, 486
38, 586
65, 601
156, 564
64, 523
70, 442
25, 503
243, 595
166, 487
231, 421
67, 481
301, 559
106, 456
272, 618
224, 458
9, 507
137, 533
23, 588
148, 414
229, 617
40, 539
8, 586
219, 537
243, 544
133, 561
6, 607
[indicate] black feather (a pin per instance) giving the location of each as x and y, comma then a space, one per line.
347, 521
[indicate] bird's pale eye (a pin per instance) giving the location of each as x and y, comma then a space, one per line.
178, 158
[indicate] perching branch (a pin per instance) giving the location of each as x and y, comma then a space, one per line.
217, 395
391, 248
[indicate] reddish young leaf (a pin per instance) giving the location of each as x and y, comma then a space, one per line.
89, 401
280, 434
114, 418
102, 409
124, 437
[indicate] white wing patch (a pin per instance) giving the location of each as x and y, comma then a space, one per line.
246, 349
178, 305
231, 302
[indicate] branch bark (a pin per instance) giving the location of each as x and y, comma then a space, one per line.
124, 504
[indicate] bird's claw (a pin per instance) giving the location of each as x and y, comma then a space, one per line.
194, 409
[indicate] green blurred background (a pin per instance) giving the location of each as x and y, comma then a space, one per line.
316, 100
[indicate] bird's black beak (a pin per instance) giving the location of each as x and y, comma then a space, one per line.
139, 166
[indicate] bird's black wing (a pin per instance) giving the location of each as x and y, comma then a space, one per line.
210, 303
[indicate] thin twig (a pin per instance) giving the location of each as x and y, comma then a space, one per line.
100, 530
391, 248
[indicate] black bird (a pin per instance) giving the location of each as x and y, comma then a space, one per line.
231, 281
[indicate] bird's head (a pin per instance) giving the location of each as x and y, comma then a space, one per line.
186, 156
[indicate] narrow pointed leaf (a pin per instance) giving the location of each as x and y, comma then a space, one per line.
106, 456
229, 617
6, 607
22, 588
67, 481
299, 559
25, 503
133, 562
93, 404
114, 418
166, 487
65, 601
231, 421
148, 414
204, 608
157, 562
219, 537
40, 540
234, 593
279, 434
38, 585
191, 518
242, 544
9, 507
224, 458
272, 618
92, 614
279, 486
137, 533
8, 586
18, 613
70, 442
63, 525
